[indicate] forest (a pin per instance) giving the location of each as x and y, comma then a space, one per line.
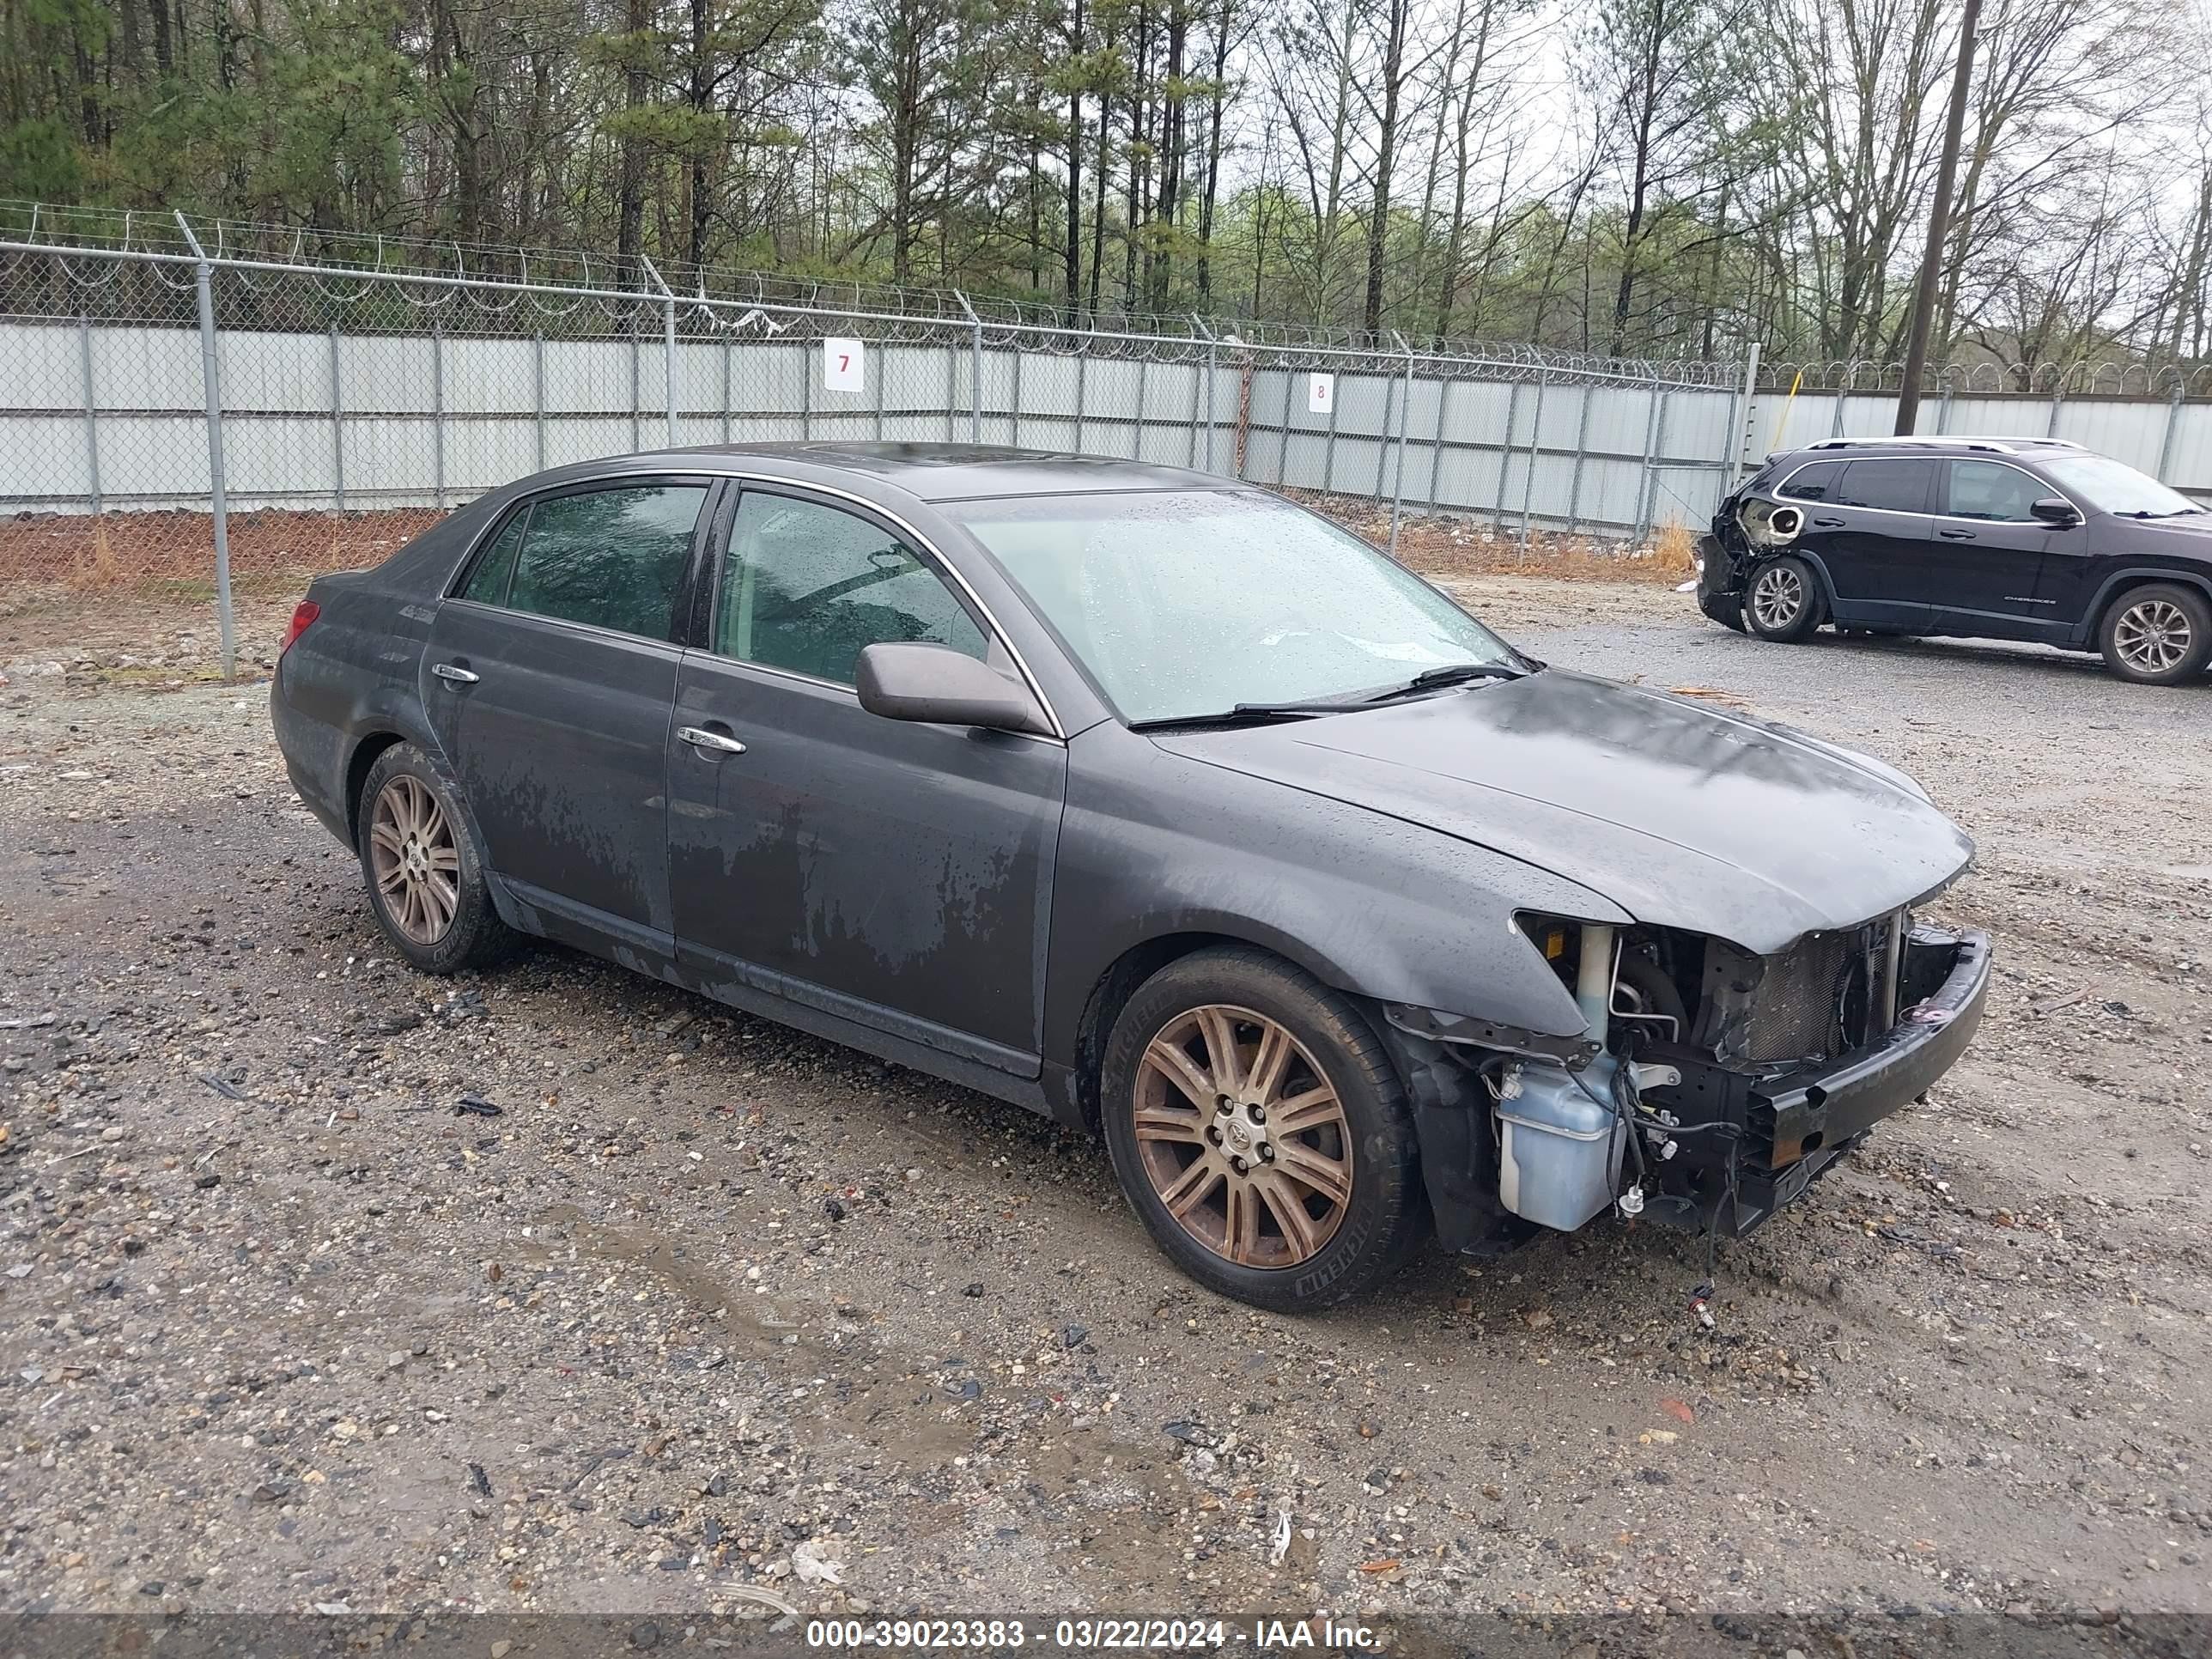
1676, 178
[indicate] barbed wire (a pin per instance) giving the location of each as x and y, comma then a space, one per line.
466, 286
1989, 377
72, 261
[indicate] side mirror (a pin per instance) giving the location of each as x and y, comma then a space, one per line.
2056, 510
938, 686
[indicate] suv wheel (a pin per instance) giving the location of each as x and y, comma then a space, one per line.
1784, 601
423, 871
2160, 635
1260, 1132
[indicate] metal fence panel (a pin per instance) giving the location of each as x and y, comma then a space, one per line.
358, 402
2130, 431
2188, 450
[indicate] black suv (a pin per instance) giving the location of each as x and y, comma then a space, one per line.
2008, 538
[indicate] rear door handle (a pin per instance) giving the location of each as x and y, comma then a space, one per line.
446, 670
1956, 535
710, 740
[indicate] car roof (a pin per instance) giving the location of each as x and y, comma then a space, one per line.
1845, 448
945, 471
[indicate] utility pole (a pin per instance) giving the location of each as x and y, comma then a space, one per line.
1938, 226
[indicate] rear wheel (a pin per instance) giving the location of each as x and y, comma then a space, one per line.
2159, 634
423, 871
1783, 601
1260, 1132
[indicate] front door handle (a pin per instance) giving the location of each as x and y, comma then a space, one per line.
709, 740
1827, 524
446, 672
1956, 535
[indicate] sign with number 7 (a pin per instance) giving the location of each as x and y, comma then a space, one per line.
843, 366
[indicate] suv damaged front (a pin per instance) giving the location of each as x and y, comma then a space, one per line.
1712, 1085
1749, 526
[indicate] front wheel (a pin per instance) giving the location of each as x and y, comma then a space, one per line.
2160, 634
1783, 601
1260, 1132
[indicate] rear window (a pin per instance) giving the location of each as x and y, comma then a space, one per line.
613, 558
1816, 483
1894, 486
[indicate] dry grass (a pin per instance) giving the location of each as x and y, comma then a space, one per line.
1444, 547
1674, 551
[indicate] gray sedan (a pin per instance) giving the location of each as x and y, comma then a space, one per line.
1143, 799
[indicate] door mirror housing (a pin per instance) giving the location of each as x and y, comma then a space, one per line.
910, 680
2056, 510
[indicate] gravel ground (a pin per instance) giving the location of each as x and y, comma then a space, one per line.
711, 1306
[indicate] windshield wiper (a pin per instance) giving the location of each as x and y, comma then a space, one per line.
1246, 713
1452, 673
1258, 713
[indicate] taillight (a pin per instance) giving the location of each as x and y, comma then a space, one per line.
302, 614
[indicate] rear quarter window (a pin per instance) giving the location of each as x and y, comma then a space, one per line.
486, 582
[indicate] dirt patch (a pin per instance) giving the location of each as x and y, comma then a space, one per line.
131, 595
1440, 546
46, 558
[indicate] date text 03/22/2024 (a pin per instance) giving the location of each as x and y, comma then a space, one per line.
1079, 1635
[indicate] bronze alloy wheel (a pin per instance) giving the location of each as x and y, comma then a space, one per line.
1242, 1137
413, 858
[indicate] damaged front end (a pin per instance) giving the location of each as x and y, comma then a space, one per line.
1712, 1088
1745, 528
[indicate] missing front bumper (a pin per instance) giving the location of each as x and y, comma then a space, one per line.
1795, 1124
1945, 980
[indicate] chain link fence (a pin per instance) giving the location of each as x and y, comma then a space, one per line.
202, 415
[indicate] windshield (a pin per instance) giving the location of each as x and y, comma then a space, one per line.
1184, 604
2111, 486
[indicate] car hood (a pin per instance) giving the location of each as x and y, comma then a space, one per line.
2195, 528
1684, 814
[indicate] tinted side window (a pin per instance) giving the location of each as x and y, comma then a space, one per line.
1988, 489
610, 557
487, 583
1816, 483
1895, 486
807, 587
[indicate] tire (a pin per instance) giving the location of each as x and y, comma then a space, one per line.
1784, 601
2157, 634
422, 867
1352, 1226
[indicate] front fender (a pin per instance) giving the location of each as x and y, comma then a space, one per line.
1156, 844
1765, 555
2135, 575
